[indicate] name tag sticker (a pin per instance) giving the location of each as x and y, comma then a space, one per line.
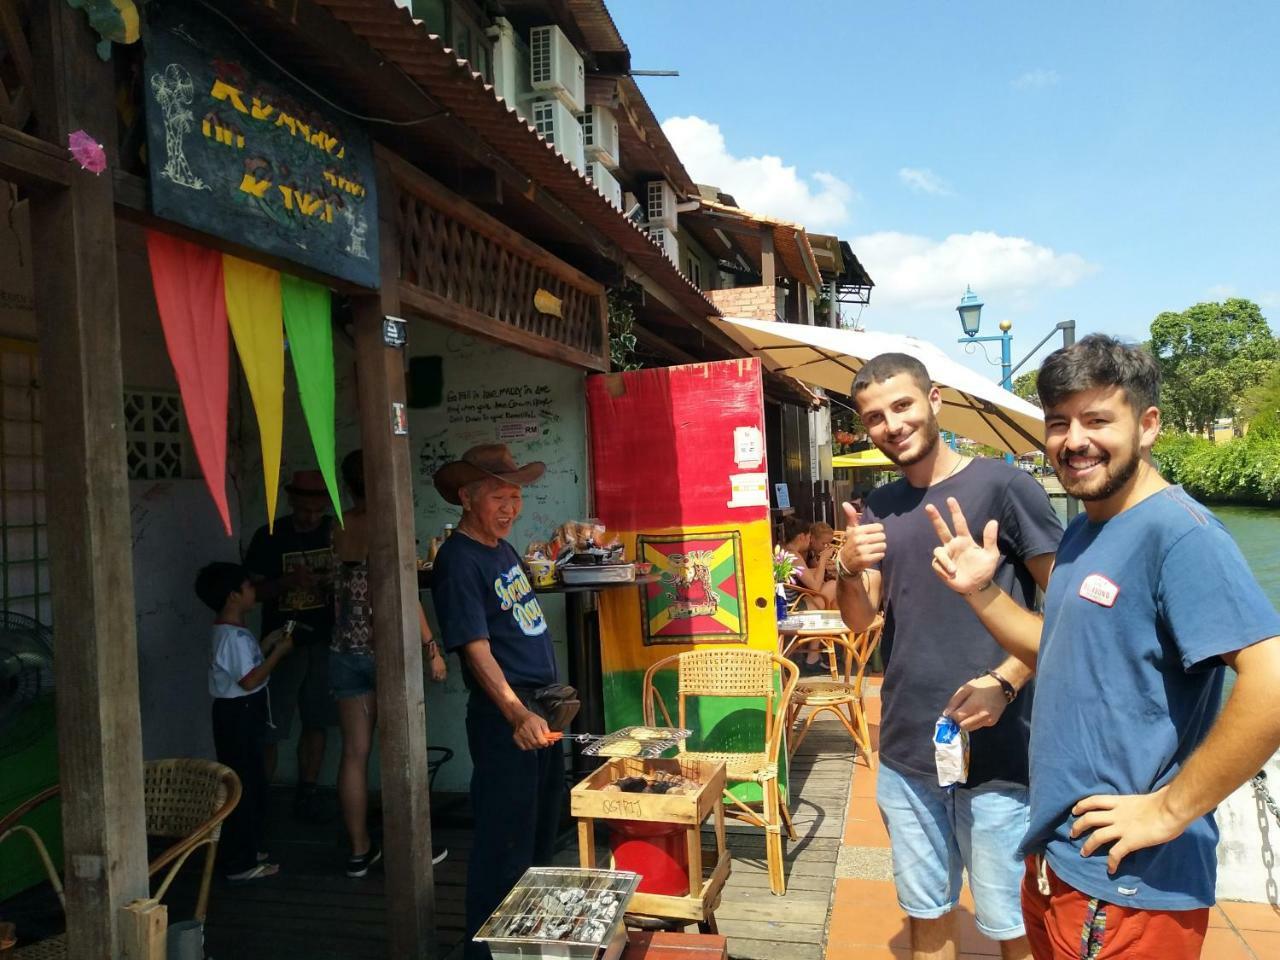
1098, 589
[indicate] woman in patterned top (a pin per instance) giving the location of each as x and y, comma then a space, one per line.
351, 667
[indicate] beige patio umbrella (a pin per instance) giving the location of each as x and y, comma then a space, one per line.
972, 406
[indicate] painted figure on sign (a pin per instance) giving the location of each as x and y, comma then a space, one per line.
174, 91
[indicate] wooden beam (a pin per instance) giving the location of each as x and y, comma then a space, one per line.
90, 542
431, 306
393, 581
701, 324
768, 272
145, 926
30, 162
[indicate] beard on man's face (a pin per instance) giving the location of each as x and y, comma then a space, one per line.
1114, 474
929, 434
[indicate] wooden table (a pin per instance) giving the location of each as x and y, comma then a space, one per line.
813, 623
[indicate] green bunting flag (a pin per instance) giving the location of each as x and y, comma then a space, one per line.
307, 325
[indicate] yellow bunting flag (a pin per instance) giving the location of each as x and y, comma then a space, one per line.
254, 313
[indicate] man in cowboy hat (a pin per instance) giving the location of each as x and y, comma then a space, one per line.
488, 614
292, 573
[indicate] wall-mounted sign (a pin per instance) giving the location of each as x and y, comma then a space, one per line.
239, 151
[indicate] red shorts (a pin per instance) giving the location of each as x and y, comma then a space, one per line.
1066, 924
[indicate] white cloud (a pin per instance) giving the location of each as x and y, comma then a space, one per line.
923, 180
915, 271
1221, 291
1037, 79
764, 184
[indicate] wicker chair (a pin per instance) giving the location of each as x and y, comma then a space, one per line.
738, 672
186, 800
847, 662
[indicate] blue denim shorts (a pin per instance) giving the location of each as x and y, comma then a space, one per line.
936, 833
351, 674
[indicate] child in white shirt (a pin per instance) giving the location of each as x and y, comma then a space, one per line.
238, 674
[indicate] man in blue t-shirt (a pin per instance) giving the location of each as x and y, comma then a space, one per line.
1148, 599
941, 659
489, 615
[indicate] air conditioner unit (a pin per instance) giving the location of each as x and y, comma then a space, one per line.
560, 127
510, 65
555, 67
660, 204
666, 239
600, 135
604, 181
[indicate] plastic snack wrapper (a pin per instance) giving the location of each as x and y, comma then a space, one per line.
950, 752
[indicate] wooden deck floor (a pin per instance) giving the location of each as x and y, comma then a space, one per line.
314, 912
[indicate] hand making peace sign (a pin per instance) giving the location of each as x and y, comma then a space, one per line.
961, 562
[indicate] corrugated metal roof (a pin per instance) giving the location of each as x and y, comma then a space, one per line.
790, 242
451, 82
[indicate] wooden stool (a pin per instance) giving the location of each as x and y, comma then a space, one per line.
589, 802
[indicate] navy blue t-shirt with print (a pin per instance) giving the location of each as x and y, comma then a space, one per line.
1139, 611
933, 641
482, 592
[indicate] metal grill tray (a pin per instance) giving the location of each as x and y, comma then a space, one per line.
560, 912
650, 746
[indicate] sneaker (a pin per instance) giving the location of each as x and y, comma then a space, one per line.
359, 866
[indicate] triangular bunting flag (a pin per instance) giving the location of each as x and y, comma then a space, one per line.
189, 294
307, 322
254, 313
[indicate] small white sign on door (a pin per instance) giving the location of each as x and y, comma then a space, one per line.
749, 490
748, 447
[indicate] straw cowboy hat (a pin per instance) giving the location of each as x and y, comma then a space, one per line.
480, 463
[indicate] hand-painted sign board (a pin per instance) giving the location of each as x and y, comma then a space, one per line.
239, 151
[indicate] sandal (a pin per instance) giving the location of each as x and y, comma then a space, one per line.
254, 873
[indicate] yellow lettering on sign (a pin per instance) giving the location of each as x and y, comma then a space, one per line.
307, 204
287, 193
261, 111
284, 120
251, 184
327, 216
205, 127
224, 91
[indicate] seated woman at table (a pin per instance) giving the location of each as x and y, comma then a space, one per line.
822, 543
810, 567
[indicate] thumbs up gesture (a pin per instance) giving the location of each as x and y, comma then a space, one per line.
864, 543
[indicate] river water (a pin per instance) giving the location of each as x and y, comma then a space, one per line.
1257, 532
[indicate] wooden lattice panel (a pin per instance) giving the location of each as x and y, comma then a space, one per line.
459, 265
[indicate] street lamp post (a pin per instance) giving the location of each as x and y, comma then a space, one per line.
970, 311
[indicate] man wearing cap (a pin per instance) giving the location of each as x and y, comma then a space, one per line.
488, 614
292, 570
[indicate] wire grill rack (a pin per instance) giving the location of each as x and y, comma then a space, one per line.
560, 907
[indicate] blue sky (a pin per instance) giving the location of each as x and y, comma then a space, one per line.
1097, 161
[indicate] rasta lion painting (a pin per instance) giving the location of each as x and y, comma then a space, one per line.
697, 594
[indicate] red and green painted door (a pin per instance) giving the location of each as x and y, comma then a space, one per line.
679, 473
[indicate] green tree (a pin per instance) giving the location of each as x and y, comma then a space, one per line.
1262, 406
1210, 354
1024, 385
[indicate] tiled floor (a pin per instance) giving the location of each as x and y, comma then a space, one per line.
867, 923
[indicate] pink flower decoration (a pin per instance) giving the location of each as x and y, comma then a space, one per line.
87, 151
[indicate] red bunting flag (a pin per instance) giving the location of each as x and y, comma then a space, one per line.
189, 293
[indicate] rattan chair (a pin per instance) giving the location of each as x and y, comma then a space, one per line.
847, 663
738, 672
185, 800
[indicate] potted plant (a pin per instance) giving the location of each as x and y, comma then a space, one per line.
784, 571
